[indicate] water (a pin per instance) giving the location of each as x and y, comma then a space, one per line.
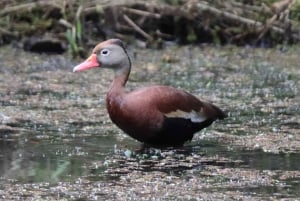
53, 160
56, 134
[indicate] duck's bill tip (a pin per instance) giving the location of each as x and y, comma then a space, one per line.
91, 62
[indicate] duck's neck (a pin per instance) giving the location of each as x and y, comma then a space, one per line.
115, 95
121, 76
118, 83
117, 87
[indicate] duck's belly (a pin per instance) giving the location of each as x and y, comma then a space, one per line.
167, 132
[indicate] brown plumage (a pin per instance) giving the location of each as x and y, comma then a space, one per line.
157, 115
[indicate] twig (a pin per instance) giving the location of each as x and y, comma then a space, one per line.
26, 7
254, 9
278, 8
6, 32
94, 9
267, 27
137, 28
231, 16
141, 12
122, 27
163, 35
65, 23
12, 9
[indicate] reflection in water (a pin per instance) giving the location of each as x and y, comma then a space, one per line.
53, 161
50, 160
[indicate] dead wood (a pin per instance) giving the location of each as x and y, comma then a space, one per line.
27, 7
137, 28
192, 21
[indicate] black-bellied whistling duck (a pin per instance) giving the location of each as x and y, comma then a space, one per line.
158, 116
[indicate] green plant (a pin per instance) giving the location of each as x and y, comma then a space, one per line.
74, 35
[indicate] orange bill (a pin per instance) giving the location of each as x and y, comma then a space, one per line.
91, 62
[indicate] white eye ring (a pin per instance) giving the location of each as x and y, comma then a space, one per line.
105, 52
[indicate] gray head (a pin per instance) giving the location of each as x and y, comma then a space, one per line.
108, 54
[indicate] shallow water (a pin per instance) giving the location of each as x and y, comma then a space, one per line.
56, 136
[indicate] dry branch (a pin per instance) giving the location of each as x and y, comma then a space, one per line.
231, 21
137, 28
281, 6
6, 32
141, 12
27, 7
256, 25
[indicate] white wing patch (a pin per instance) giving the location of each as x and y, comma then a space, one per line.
194, 116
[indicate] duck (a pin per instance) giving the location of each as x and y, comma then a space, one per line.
157, 116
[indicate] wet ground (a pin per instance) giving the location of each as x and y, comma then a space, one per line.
57, 141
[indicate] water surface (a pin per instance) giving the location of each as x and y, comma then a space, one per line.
56, 137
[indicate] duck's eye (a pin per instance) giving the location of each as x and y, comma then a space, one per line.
105, 52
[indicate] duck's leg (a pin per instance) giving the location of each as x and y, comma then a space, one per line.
143, 149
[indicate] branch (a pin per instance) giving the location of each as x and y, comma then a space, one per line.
26, 7
141, 12
137, 28
234, 17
